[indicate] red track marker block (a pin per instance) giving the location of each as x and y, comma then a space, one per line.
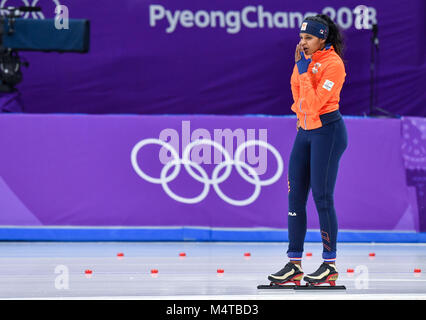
309, 254
88, 271
220, 271
247, 254
350, 270
182, 254
372, 254
417, 270
154, 271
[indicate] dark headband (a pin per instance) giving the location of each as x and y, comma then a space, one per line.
314, 28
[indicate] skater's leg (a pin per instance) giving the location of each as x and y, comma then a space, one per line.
298, 190
328, 144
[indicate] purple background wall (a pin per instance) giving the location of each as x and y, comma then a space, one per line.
414, 155
133, 67
76, 171
62, 172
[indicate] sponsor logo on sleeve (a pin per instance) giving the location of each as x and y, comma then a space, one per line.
328, 85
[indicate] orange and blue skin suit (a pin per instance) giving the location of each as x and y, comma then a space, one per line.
320, 142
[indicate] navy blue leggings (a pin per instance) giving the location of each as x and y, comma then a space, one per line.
314, 163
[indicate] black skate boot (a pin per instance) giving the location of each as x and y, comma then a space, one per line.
326, 273
291, 273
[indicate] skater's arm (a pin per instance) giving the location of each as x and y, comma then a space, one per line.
295, 86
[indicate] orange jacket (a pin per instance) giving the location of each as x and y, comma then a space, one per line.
317, 91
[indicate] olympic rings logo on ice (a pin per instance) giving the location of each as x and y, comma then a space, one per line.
202, 176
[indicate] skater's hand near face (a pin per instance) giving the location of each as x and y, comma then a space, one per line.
302, 62
297, 55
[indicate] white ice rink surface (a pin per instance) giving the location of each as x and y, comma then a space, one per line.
56, 270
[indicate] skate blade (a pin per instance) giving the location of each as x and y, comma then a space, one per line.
276, 286
319, 287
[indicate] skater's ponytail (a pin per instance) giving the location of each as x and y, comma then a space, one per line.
335, 36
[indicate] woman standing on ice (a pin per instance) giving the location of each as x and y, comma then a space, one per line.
316, 83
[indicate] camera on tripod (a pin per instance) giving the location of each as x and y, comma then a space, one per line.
19, 34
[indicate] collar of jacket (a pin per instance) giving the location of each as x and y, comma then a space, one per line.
323, 52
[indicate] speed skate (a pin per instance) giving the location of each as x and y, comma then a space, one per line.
307, 286
289, 278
